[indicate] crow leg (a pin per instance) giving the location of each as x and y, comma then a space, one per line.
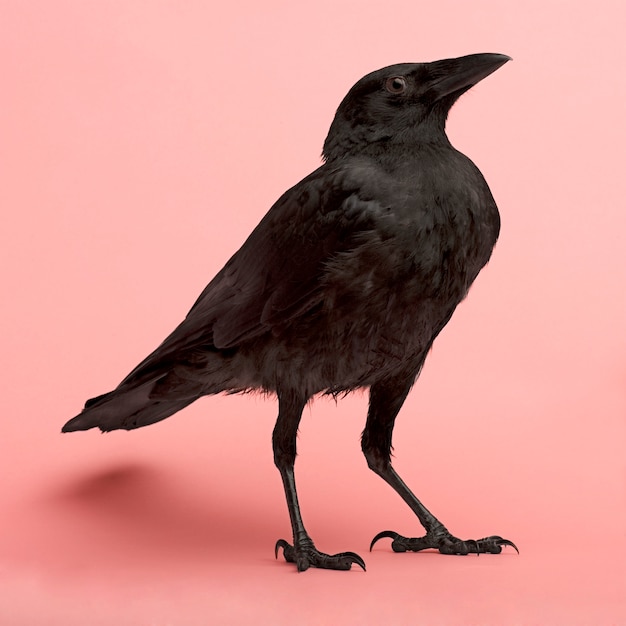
386, 399
303, 552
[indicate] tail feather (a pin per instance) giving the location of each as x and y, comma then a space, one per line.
155, 390
98, 399
128, 408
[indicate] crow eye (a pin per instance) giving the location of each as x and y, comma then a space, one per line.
396, 84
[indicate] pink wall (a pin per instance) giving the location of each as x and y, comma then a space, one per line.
140, 142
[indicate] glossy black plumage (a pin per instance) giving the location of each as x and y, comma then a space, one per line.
345, 283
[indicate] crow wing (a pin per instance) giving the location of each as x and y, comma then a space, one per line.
277, 274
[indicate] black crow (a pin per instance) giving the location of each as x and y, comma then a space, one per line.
344, 284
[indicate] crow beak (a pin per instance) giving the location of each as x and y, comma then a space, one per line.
459, 75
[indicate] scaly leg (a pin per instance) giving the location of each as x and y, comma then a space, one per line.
303, 552
386, 399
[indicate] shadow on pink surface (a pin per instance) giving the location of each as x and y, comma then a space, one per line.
133, 516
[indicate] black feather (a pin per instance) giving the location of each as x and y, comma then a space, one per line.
345, 283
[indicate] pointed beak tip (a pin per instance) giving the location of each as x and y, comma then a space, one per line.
498, 58
465, 72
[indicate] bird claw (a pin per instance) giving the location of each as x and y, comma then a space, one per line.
385, 533
497, 543
307, 555
445, 543
281, 543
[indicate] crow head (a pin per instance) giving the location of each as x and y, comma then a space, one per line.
405, 103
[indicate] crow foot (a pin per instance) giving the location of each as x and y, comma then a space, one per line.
440, 539
304, 554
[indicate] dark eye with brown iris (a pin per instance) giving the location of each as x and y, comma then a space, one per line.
396, 84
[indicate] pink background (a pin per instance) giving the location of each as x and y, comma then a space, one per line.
140, 142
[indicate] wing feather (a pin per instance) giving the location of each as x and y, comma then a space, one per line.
277, 274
